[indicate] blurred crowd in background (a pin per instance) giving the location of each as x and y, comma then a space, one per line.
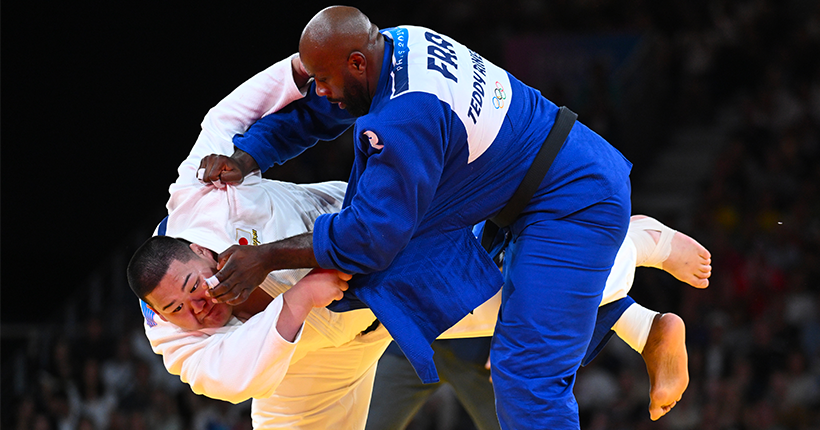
749, 70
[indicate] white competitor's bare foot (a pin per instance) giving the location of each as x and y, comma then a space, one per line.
667, 363
689, 261
676, 253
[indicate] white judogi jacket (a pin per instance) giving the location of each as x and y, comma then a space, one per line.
321, 380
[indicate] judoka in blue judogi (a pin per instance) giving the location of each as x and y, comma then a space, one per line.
443, 139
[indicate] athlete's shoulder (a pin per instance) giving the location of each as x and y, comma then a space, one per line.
476, 92
406, 109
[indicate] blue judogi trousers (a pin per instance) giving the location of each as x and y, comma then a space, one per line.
554, 275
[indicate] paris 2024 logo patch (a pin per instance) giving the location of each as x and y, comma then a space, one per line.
374, 140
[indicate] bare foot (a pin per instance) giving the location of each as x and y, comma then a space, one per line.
688, 261
667, 363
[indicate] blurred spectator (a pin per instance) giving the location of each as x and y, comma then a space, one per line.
118, 371
96, 402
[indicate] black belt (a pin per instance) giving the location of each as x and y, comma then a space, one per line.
370, 328
564, 121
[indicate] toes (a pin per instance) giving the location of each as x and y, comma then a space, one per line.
700, 283
696, 280
655, 412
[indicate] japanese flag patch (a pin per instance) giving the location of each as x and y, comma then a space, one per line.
247, 237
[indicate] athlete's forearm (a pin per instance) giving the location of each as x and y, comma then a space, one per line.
316, 290
292, 253
294, 312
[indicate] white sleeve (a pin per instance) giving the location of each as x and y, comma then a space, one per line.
265, 93
232, 363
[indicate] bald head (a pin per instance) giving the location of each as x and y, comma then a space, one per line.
343, 50
337, 27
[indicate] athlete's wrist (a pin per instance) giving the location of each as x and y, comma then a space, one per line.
293, 315
246, 162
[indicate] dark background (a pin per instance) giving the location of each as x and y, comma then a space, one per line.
99, 105
100, 102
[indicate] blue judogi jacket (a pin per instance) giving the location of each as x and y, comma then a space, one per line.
446, 142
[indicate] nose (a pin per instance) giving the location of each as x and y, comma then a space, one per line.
321, 90
198, 304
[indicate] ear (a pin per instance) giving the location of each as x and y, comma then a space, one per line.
357, 62
200, 250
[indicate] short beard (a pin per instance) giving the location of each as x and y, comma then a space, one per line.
356, 98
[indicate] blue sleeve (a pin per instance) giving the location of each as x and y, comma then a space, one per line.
391, 196
283, 135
